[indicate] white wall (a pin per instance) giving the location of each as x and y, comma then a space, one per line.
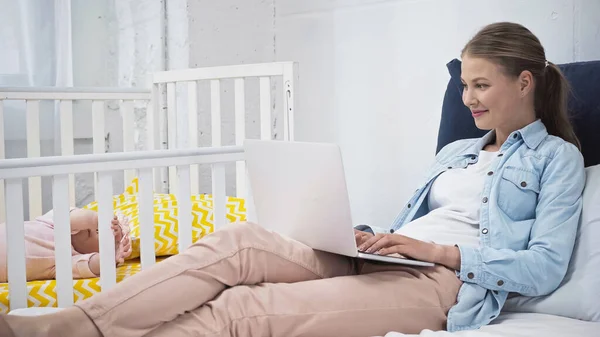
372, 72
373, 77
115, 43
227, 32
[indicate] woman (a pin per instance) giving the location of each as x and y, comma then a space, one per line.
497, 215
85, 261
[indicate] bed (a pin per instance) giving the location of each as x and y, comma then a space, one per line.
523, 325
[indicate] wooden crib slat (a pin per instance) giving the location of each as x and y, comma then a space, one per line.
32, 112
62, 240
146, 217
289, 76
66, 141
108, 274
184, 208
15, 254
2, 207
153, 132
193, 132
172, 115
215, 112
219, 195
128, 131
172, 131
152, 120
265, 108
240, 134
2, 153
2, 156
218, 170
98, 129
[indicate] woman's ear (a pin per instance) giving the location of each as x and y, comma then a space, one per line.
525, 82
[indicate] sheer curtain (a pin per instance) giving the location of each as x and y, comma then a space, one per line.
35, 45
86, 43
35, 40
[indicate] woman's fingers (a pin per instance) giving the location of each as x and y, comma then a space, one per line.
370, 242
361, 237
385, 241
396, 249
380, 241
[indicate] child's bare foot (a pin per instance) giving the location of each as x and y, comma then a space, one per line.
120, 228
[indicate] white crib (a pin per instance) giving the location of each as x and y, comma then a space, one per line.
166, 165
65, 98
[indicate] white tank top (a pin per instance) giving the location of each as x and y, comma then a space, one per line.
454, 202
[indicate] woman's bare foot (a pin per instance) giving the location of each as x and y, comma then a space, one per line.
71, 321
5, 328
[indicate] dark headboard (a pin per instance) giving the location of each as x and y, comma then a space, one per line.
584, 108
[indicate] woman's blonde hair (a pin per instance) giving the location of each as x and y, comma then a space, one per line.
516, 49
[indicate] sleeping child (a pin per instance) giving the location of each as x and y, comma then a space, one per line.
85, 259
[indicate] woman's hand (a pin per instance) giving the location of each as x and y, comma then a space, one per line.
361, 237
386, 244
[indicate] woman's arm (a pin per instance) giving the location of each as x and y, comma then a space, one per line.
540, 268
449, 257
85, 265
386, 244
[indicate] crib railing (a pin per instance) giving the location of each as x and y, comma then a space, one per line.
265, 72
14, 171
162, 117
64, 98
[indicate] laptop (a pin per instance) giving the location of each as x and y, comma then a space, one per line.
299, 191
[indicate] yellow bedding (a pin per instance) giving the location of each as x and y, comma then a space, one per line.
166, 217
43, 293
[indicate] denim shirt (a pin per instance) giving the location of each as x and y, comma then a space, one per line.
530, 208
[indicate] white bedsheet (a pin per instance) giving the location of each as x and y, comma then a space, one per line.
523, 325
507, 325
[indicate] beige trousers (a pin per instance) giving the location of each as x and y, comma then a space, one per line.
246, 281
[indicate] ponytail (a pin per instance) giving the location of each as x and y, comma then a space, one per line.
551, 104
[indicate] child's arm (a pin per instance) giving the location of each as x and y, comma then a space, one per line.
86, 265
83, 219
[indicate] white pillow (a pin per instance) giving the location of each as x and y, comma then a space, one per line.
577, 296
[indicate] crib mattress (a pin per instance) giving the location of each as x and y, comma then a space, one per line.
43, 293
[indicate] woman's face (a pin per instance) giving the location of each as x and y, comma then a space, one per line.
495, 99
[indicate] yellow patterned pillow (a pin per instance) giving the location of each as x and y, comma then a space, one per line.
165, 217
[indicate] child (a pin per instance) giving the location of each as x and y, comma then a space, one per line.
85, 260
